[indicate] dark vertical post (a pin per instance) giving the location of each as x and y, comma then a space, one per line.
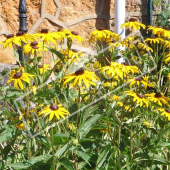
22, 23
150, 5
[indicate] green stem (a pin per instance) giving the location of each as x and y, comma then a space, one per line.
52, 142
77, 131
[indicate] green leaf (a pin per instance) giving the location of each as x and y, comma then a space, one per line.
59, 55
7, 134
61, 151
162, 144
86, 126
90, 110
34, 162
66, 163
84, 156
147, 157
60, 138
102, 156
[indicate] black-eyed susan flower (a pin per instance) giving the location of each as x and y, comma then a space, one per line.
138, 98
62, 33
167, 58
158, 98
33, 47
141, 80
9, 42
74, 35
112, 70
33, 88
126, 107
101, 34
20, 126
113, 45
97, 65
126, 68
18, 77
144, 47
165, 112
81, 76
45, 36
56, 110
133, 24
128, 43
110, 84
154, 40
44, 68
161, 32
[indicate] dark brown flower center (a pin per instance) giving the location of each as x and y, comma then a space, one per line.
140, 96
60, 29
158, 95
17, 75
132, 20
34, 43
40, 65
138, 79
20, 33
35, 47
113, 41
44, 30
124, 63
10, 36
101, 29
74, 33
80, 71
74, 50
168, 111
54, 107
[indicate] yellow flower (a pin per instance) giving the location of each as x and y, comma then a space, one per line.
116, 98
18, 77
109, 84
165, 112
46, 37
144, 47
147, 124
158, 98
154, 40
62, 33
167, 58
33, 47
17, 40
133, 24
71, 126
33, 89
80, 76
20, 126
127, 108
45, 68
101, 35
97, 65
143, 80
54, 110
75, 35
128, 42
161, 32
113, 45
138, 98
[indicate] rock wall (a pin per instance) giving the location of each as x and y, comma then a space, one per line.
83, 16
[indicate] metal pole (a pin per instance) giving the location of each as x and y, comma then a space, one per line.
22, 25
119, 20
150, 5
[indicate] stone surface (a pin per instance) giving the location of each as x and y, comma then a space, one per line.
83, 16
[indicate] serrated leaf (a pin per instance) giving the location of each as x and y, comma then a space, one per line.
60, 138
86, 126
36, 161
84, 156
61, 151
66, 163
